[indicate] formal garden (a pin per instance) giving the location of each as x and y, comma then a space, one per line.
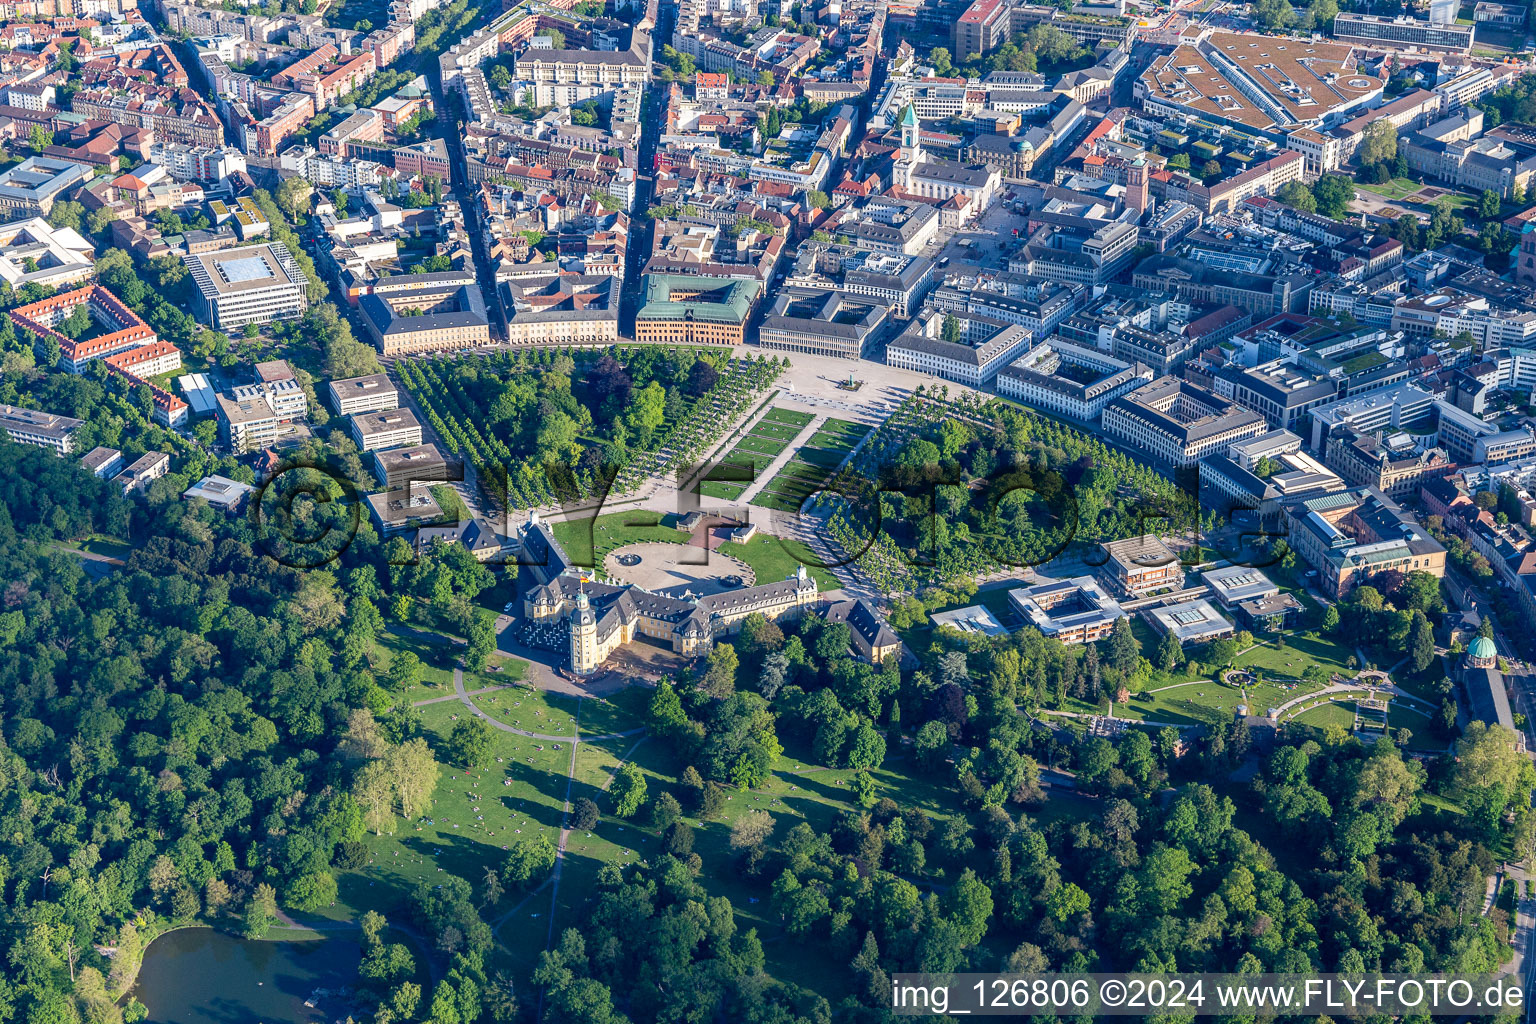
553, 426
763, 442
970, 487
812, 466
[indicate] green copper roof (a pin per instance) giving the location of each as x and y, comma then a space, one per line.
909, 117
720, 300
1482, 647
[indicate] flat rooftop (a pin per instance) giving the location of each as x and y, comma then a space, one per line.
971, 619
1305, 80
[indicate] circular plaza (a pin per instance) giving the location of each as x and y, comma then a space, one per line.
675, 569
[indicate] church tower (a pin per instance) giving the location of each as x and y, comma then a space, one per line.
1136, 186
911, 142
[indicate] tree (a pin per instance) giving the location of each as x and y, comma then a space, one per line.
628, 790
968, 906
39, 138
1169, 652
1379, 143
1211, 170
1488, 204
469, 744
1272, 15
293, 197
556, 37
529, 862
951, 329
1334, 193
1296, 193
1421, 643
765, 79
751, 830
584, 815
816, 199
939, 60
1066, 902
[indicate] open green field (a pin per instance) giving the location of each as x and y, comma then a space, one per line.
812, 465
106, 547
471, 819
773, 559
722, 490
437, 661
1180, 698
760, 445
793, 417
438, 658
587, 540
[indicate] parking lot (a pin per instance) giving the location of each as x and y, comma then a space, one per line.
989, 242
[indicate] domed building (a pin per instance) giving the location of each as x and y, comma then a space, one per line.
1487, 695
1482, 653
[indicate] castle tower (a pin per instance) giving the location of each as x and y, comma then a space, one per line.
584, 659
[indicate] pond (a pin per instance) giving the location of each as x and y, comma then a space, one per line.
201, 976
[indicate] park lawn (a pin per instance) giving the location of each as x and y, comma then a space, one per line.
779, 414
1422, 684
1200, 702
744, 457
532, 801
437, 661
1295, 657
778, 502
579, 537
821, 458
773, 559
618, 712
1397, 188
760, 445
531, 709
1403, 715
103, 545
1340, 712
722, 490
500, 670
775, 431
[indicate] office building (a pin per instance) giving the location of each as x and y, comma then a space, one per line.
394, 428
1178, 422
1073, 611
44, 429
254, 284
373, 393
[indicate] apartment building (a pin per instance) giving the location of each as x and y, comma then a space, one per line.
145, 470
103, 463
